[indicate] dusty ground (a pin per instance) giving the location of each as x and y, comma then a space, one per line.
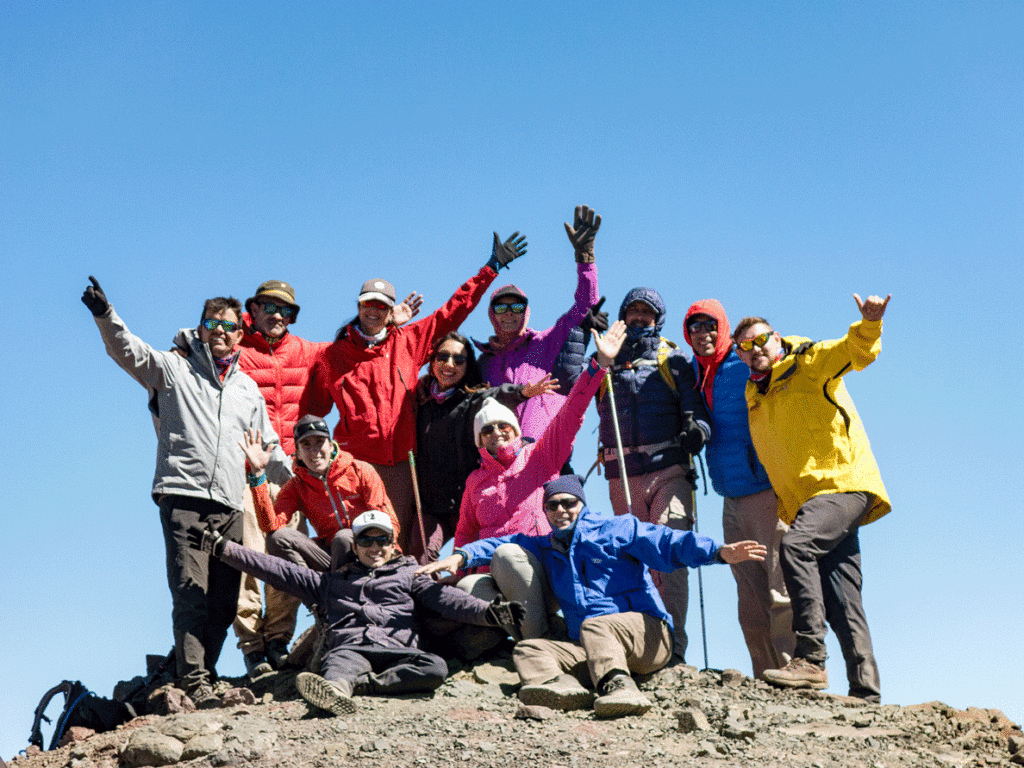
472, 720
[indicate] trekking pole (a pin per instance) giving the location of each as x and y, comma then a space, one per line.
419, 507
618, 444
700, 585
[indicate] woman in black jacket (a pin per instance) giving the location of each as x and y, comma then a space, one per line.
447, 399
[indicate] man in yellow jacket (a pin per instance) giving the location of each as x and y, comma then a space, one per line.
811, 441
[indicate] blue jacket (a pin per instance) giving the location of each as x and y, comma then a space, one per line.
732, 460
605, 570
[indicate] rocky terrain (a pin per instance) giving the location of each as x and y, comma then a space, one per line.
700, 718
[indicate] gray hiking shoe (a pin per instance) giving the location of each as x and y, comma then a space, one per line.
334, 697
256, 664
799, 673
563, 693
620, 697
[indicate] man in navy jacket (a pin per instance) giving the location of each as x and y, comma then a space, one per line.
597, 569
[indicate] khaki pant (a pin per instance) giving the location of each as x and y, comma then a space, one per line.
517, 575
765, 615
664, 497
252, 625
618, 642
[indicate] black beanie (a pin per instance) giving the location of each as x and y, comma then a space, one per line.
565, 484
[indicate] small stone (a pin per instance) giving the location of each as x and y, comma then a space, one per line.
495, 673
732, 677
168, 700
692, 720
487, 746
1015, 743
533, 712
233, 697
735, 730
75, 734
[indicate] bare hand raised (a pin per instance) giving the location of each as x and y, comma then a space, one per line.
407, 310
540, 387
255, 452
609, 343
873, 307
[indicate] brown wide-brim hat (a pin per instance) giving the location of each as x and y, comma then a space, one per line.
275, 289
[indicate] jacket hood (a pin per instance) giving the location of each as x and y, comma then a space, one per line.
650, 297
723, 344
507, 290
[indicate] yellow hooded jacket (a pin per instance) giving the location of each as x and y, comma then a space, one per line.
806, 428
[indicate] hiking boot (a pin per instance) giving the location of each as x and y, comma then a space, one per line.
620, 696
204, 697
334, 697
563, 693
277, 653
798, 673
256, 664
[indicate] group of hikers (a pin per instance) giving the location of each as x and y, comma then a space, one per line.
477, 450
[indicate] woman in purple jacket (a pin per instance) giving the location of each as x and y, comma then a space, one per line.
517, 354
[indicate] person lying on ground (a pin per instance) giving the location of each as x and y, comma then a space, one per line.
372, 639
597, 568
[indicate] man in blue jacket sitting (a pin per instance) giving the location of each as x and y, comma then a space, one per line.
597, 568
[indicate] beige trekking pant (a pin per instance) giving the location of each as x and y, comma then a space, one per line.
765, 614
664, 497
517, 575
252, 625
633, 642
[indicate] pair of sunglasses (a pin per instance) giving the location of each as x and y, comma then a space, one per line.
555, 504
444, 357
489, 428
368, 541
708, 326
211, 325
757, 341
515, 309
278, 309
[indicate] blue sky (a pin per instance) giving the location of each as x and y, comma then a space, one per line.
778, 157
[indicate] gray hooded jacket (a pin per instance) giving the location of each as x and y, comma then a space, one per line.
202, 419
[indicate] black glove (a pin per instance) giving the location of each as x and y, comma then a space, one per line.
502, 254
581, 233
595, 319
507, 615
691, 438
206, 539
94, 298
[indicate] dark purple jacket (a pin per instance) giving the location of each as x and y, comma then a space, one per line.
363, 606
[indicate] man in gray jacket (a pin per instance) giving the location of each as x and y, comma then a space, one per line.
205, 405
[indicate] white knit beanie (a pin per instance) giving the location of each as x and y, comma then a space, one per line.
490, 412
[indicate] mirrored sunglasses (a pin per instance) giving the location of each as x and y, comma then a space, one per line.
757, 341
364, 540
374, 304
444, 357
515, 309
278, 309
211, 324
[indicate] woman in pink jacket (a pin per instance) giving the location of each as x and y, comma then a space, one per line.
505, 495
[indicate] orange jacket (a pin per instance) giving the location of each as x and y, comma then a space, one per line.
329, 503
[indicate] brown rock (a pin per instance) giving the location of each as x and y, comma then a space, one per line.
75, 733
534, 712
691, 720
169, 700
232, 697
732, 677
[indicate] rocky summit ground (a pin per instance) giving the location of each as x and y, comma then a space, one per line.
699, 718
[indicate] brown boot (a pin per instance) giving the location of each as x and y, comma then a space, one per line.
799, 673
619, 697
563, 693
